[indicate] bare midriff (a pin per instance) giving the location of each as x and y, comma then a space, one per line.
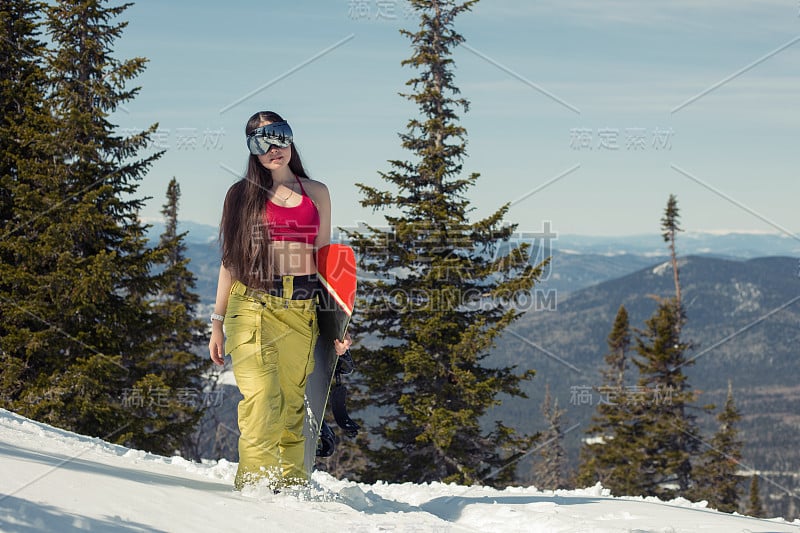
293, 258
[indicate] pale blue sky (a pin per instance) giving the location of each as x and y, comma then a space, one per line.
586, 90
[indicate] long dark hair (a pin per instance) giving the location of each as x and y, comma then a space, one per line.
243, 233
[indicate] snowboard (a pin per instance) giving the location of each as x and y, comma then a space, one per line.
336, 268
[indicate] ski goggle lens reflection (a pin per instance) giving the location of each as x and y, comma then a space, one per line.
265, 137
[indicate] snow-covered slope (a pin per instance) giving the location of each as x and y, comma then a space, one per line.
53, 480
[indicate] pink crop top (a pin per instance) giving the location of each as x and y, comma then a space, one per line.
297, 224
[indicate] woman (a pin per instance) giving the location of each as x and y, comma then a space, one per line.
273, 221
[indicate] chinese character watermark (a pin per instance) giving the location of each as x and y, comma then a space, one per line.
159, 140
581, 395
662, 138
379, 9
179, 138
636, 139
186, 138
163, 397
631, 394
581, 138
212, 139
613, 139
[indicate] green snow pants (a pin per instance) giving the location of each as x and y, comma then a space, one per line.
271, 342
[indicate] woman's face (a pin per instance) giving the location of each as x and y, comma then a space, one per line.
277, 157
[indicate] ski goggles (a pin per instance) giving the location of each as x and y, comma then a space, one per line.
265, 137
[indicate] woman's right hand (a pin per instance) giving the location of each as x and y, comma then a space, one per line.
216, 346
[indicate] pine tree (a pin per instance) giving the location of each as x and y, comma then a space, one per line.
24, 117
754, 506
441, 291
101, 271
716, 477
607, 454
550, 471
177, 297
666, 428
79, 322
172, 366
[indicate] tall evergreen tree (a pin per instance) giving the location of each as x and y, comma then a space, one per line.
80, 327
607, 453
24, 117
441, 291
178, 296
716, 477
754, 506
549, 471
101, 264
661, 411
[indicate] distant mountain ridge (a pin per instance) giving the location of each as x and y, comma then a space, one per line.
743, 245
197, 232
743, 318
730, 244
721, 296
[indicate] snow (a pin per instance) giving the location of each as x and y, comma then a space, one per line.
665, 268
660, 270
226, 377
747, 296
54, 480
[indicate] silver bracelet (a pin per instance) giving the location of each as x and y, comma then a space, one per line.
215, 316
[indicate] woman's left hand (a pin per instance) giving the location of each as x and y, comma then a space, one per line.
342, 347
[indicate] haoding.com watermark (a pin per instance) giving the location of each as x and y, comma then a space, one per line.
433, 299
430, 245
